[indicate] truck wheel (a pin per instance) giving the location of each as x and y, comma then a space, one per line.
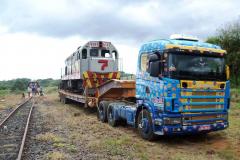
102, 111
145, 128
111, 116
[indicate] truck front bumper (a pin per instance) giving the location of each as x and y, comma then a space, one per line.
193, 129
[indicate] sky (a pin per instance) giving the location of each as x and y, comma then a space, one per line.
36, 36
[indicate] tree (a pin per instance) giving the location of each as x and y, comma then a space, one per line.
228, 38
20, 84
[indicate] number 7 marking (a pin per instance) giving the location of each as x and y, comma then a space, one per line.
104, 64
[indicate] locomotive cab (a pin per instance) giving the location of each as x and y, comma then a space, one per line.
90, 62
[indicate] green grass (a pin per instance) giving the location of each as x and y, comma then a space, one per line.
49, 90
227, 154
235, 91
4, 93
115, 146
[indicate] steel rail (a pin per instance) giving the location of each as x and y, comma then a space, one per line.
10, 114
25, 133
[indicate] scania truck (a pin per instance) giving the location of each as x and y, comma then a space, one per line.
181, 87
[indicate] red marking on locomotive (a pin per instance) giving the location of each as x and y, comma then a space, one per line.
104, 64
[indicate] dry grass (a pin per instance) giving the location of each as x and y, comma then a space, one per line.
49, 137
9, 101
124, 143
56, 156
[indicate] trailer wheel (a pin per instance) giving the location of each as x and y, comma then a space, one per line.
64, 100
145, 128
111, 116
102, 111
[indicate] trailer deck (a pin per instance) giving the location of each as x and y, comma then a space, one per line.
111, 90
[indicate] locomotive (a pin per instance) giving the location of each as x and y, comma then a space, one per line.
90, 66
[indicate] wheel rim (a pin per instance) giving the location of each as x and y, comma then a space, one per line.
110, 115
101, 112
145, 125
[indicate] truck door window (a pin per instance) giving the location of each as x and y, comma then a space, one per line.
84, 54
94, 52
144, 62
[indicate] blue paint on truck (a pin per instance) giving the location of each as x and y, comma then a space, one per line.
178, 99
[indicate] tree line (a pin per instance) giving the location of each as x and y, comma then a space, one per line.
20, 84
228, 37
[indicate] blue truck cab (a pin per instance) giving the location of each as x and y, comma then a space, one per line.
182, 87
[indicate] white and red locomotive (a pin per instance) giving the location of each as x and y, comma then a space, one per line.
90, 66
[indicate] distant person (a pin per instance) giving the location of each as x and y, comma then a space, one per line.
29, 89
23, 96
41, 91
37, 86
33, 90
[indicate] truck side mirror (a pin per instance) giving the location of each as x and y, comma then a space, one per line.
153, 57
155, 68
227, 72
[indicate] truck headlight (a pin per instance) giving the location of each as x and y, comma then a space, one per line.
171, 121
224, 116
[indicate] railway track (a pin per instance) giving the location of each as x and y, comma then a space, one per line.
13, 131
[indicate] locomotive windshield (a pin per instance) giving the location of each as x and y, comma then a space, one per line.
94, 52
194, 66
105, 53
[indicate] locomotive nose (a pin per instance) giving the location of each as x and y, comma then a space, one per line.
102, 65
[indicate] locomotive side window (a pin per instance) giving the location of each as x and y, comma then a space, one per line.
105, 53
65, 70
84, 54
94, 52
114, 54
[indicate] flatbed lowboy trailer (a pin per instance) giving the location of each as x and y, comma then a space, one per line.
111, 90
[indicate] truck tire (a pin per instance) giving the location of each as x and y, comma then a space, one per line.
145, 128
102, 111
111, 117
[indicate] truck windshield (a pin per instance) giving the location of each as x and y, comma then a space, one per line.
196, 67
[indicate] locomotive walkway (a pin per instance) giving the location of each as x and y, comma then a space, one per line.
13, 131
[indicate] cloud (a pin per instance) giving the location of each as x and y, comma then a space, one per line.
36, 36
135, 21
34, 56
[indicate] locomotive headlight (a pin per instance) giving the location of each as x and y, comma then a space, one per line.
171, 121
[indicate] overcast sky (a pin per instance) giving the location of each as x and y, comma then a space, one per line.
37, 35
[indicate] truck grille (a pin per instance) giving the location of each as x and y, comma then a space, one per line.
197, 93
203, 99
191, 107
197, 100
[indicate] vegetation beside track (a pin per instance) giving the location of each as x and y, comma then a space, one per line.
18, 86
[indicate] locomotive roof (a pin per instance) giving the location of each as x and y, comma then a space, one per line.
163, 44
93, 44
